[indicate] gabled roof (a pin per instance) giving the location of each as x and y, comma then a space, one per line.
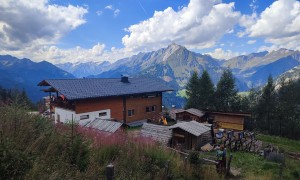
74, 89
158, 133
104, 125
230, 113
193, 111
192, 127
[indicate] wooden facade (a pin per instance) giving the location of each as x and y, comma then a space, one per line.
186, 116
191, 114
144, 106
115, 104
130, 101
234, 121
141, 107
189, 141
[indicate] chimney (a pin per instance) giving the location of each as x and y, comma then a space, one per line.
124, 79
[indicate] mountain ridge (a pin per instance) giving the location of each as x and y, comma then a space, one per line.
174, 64
26, 74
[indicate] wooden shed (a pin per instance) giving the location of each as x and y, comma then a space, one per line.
191, 135
229, 120
190, 114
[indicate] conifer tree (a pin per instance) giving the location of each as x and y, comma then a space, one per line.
192, 91
226, 92
206, 92
267, 105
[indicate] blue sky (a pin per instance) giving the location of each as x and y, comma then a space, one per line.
97, 30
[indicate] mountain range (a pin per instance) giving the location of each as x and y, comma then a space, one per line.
84, 69
26, 74
174, 64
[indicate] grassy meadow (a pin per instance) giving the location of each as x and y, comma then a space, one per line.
32, 147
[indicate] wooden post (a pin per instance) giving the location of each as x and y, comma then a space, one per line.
110, 172
228, 166
185, 161
72, 131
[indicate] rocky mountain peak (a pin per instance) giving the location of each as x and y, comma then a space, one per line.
171, 49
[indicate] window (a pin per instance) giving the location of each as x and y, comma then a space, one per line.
130, 112
102, 114
84, 117
150, 108
147, 109
153, 108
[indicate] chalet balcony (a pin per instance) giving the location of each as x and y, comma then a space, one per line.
58, 102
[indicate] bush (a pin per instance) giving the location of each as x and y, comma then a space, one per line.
13, 163
194, 157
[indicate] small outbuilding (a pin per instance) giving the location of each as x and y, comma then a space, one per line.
190, 114
191, 135
229, 120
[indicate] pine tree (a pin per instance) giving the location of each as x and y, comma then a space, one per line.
226, 92
192, 91
267, 105
288, 111
206, 92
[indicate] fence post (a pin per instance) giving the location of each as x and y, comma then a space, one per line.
228, 166
110, 173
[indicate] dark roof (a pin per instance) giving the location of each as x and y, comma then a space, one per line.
74, 89
104, 125
192, 127
230, 113
193, 111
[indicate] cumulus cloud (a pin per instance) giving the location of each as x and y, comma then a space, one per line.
116, 12
251, 42
30, 23
279, 24
110, 7
113, 9
57, 55
198, 25
219, 53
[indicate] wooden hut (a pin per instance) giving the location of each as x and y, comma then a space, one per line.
189, 115
191, 135
229, 120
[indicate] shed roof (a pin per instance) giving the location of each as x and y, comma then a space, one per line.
193, 111
192, 127
74, 89
230, 113
159, 133
104, 125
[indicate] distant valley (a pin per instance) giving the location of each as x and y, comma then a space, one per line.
174, 64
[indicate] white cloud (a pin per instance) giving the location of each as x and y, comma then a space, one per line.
199, 25
26, 23
253, 6
279, 24
56, 55
219, 53
110, 7
99, 13
251, 42
116, 12
113, 9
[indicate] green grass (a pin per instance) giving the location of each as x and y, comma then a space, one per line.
253, 166
287, 145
